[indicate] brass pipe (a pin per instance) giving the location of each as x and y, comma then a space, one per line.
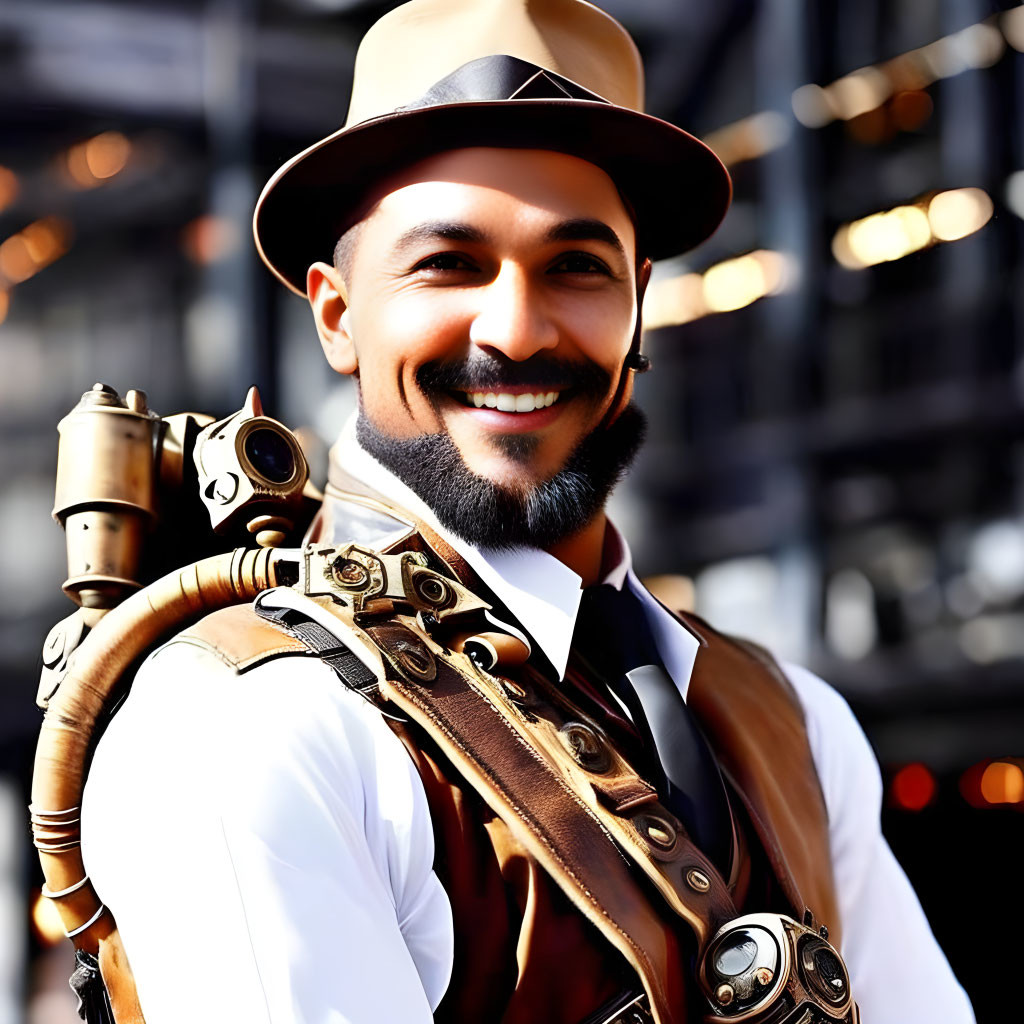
166, 606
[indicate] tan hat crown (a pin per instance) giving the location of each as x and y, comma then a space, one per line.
421, 42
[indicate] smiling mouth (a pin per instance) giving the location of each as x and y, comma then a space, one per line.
503, 401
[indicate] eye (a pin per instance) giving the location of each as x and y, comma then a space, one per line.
445, 261
579, 263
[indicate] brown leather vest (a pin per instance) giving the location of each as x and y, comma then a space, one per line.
522, 951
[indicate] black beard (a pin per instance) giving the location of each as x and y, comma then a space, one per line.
488, 515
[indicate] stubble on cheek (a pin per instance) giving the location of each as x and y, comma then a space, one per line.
402, 410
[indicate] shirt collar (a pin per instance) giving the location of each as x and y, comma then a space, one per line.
540, 591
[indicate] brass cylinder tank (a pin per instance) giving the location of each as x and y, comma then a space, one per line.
106, 492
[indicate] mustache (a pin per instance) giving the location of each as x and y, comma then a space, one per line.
483, 372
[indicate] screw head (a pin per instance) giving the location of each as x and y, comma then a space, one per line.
350, 574
53, 649
763, 976
724, 994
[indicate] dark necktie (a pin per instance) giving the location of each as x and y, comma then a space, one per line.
614, 638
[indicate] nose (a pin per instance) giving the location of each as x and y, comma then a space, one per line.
511, 317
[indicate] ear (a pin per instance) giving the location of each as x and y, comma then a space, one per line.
643, 279
329, 302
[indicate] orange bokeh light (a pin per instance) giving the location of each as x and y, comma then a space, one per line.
1002, 782
913, 787
911, 108
208, 239
92, 162
996, 782
33, 248
9, 187
16, 263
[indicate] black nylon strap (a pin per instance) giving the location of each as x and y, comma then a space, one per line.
326, 646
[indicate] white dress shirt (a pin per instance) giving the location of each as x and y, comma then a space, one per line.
265, 842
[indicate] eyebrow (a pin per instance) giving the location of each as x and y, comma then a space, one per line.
429, 231
578, 229
586, 229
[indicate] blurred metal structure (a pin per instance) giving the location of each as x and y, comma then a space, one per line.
836, 454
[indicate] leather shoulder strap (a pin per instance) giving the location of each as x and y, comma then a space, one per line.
240, 638
755, 724
567, 796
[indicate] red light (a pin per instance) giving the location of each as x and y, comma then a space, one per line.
913, 787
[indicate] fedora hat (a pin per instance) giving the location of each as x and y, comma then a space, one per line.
436, 75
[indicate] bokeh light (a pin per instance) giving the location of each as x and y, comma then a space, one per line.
893, 234
722, 288
208, 239
913, 787
994, 783
9, 187
33, 248
958, 213
1002, 782
94, 161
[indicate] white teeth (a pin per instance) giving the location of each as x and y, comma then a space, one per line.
505, 402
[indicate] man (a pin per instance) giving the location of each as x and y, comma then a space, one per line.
272, 848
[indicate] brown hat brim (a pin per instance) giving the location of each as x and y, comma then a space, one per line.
679, 189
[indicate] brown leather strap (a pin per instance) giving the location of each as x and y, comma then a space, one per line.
517, 775
239, 638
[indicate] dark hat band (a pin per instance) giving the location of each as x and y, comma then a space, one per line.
500, 77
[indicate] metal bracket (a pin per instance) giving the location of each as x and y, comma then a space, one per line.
61, 643
360, 576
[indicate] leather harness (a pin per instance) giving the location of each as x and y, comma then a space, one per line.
567, 800
564, 831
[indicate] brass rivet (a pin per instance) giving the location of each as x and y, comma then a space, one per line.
724, 994
659, 835
657, 831
763, 976
697, 880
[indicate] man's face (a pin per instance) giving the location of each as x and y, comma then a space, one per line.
491, 297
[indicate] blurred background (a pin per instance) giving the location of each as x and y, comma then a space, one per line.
836, 454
